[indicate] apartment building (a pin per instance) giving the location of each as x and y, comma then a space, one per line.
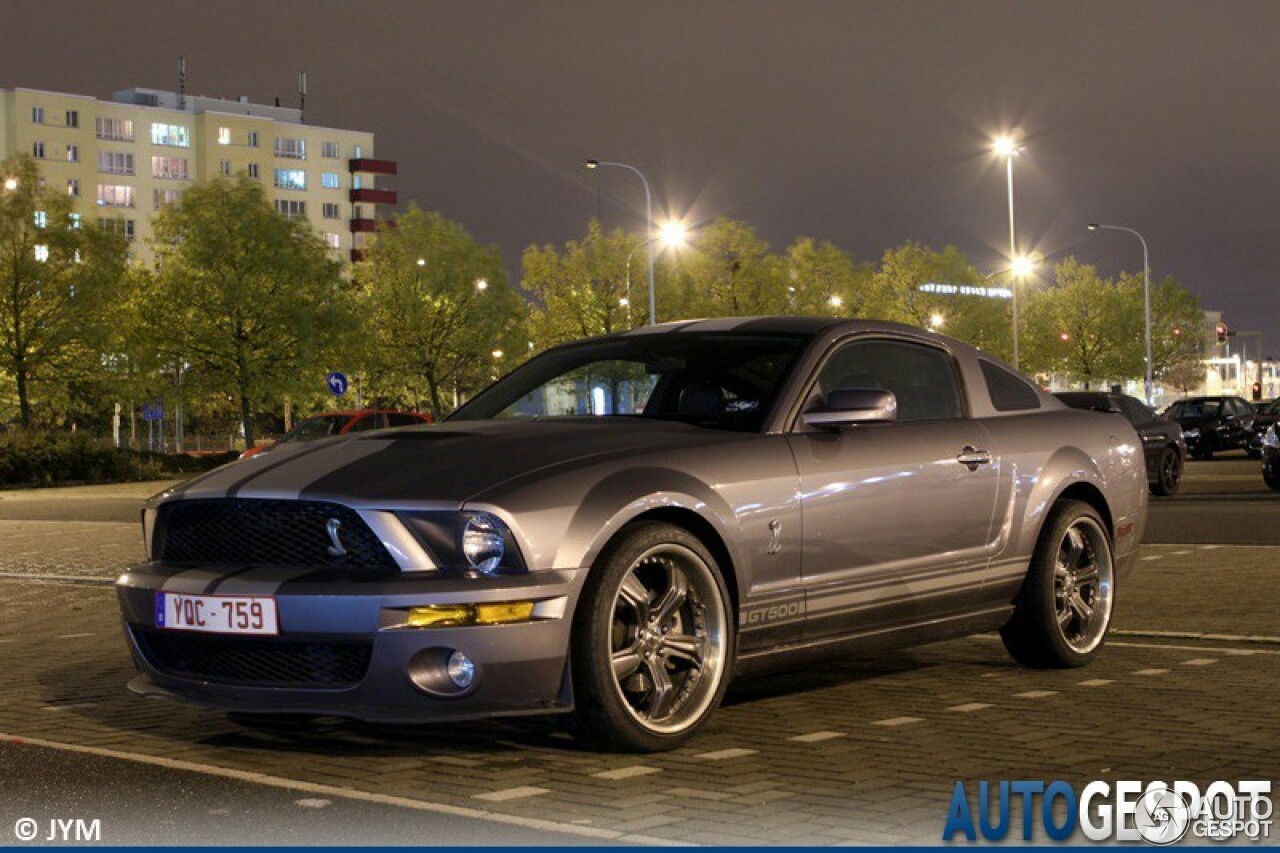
124, 159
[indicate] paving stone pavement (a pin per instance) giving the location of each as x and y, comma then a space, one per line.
795, 758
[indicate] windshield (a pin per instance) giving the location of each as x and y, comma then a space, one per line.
1190, 409
321, 426
721, 381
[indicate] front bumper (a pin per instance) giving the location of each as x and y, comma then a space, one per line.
520, 668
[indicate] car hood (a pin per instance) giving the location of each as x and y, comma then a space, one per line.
445, 463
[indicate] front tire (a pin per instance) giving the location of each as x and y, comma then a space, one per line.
1168, 473
652, 645
1064, 609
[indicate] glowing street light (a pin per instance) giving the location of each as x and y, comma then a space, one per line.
422, 262
672, 234
936, 320
482, 284
497, 353
10, 184
1022, 267
835, 301
1007, 146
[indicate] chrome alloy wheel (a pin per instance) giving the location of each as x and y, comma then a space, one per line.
667, 639
1170, 471
1083, 583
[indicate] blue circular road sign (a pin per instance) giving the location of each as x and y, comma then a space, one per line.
337, 383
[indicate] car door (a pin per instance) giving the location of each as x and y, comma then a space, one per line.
897, 516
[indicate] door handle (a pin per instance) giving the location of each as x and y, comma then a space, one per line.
971, 457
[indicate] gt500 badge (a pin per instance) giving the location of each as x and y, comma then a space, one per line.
771, 613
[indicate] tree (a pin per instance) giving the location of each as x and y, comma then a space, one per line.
1076, 326
896, 293
59, 277
726, 271
440, 313
1175, 325
579, 291
822, 279
250, 299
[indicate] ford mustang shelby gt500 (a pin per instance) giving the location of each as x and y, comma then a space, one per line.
621, 525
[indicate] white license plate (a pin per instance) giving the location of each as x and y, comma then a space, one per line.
216, 614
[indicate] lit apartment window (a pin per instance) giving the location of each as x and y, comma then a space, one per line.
253, 139
329, 180
357, 151
169, 167
291, 179
164, 198
41, 219
74, 219
330, 210
73, 118
334, 241
170, 134
295, 149
37, 115
330, 150
115, 162
42, 252
290, 208
73, 187
224, 136
253, 170
122, 227
357, 182
224, 166
119, 129
115, 195
73, 153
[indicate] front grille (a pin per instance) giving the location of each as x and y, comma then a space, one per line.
266, 532
256, 661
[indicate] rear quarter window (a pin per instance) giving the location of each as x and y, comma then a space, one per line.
1008, 391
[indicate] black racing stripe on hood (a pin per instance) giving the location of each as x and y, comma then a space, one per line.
218, 581
368, 471
235, 487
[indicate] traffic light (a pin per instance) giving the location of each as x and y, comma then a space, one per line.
1222, 333
1257, 391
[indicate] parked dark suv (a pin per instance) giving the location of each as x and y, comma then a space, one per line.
1162, 442
1212, 424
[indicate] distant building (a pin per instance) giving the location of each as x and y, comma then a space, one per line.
124, 159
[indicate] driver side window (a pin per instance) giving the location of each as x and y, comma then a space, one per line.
921, 377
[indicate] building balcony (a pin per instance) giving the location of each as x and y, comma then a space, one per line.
373, 196
364, 225
373, 167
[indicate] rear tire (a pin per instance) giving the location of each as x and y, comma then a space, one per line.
1065, 606
1271, 479
653, 640
1168, 473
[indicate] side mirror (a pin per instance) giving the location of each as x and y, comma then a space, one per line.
848, 406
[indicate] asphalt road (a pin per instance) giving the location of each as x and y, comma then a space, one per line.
856, 751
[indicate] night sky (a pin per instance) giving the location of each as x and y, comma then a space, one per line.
863, 123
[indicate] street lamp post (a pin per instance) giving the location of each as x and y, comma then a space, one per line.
1146, 300
1008, 148
648, 210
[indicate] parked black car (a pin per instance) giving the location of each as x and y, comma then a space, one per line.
1162, 441
1264, 415
1270, 449
1213, 424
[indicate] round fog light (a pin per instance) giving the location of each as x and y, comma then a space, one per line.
462, 670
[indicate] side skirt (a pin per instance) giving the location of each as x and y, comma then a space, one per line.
805, 653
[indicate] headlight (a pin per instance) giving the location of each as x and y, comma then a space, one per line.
484, 542
1270, 439
1193, 432
466, 541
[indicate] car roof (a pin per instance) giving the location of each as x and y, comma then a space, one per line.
765, 325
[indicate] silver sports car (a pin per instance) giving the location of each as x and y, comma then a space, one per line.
622, 525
